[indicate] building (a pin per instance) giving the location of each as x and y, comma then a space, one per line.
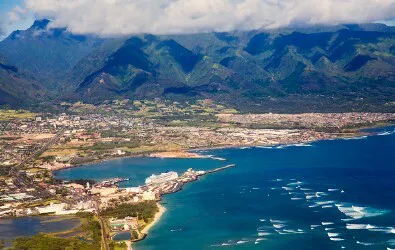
128, 223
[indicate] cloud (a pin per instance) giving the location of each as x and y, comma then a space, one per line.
125, 17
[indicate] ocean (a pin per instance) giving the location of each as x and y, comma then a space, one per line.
337, 194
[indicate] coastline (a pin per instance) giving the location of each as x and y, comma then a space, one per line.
190, 153
156, 219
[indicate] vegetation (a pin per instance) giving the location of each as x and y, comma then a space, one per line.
90, 238
6, 115
143, 210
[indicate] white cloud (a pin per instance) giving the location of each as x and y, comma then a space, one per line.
125, 17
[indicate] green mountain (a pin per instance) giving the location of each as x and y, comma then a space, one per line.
47, 54
345, 67
17, 89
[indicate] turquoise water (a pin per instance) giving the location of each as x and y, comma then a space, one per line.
326, 195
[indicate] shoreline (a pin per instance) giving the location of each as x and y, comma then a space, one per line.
194, 150
156, 219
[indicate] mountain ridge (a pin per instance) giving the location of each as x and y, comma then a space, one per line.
347, 62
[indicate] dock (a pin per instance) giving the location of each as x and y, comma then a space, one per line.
221, 168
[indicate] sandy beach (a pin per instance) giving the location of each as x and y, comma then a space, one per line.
157, 217
177, 154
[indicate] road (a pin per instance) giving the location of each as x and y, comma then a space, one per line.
103, 228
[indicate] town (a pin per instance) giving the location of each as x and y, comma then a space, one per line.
33, 145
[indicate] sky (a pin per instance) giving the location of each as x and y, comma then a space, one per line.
109, 18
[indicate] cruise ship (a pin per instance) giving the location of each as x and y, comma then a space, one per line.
164, 177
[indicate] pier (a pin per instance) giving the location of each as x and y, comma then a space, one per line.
221, 168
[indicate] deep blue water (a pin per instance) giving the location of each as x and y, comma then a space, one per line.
329, 195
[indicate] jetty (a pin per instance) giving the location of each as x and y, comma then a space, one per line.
220, 169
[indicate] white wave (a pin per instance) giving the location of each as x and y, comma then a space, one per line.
241, 242
217, 158
275, 188
278, 221
325, 223
358, 212
365, 243
267, 147
256, 188
176, 230
263, 234
386, 133
260, 239
226, 244
287, 188
305, 189
314, 226
332, 189
308, 197
356, 226
355, 138
262, 220
277, 180
296, 198
295, 183
320, 203
329, 229
278, 225
336, 239
244, 147
290, 231
390, 248
330, 235
327, 206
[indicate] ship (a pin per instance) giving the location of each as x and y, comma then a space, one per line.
164, 177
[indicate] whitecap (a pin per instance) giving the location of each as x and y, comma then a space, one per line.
295, 183
327, 206
358, 212
256, 188
332, 189
308, 197
278, 225
305, 189
262, 220
314, 226
355, 226
242, 241
267, 147
263, 234
278, 221
319, 203
330, 235
324, 223
366, 243
296, 198
287, 188
290, 231
336, 239
356, 138
329, 229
